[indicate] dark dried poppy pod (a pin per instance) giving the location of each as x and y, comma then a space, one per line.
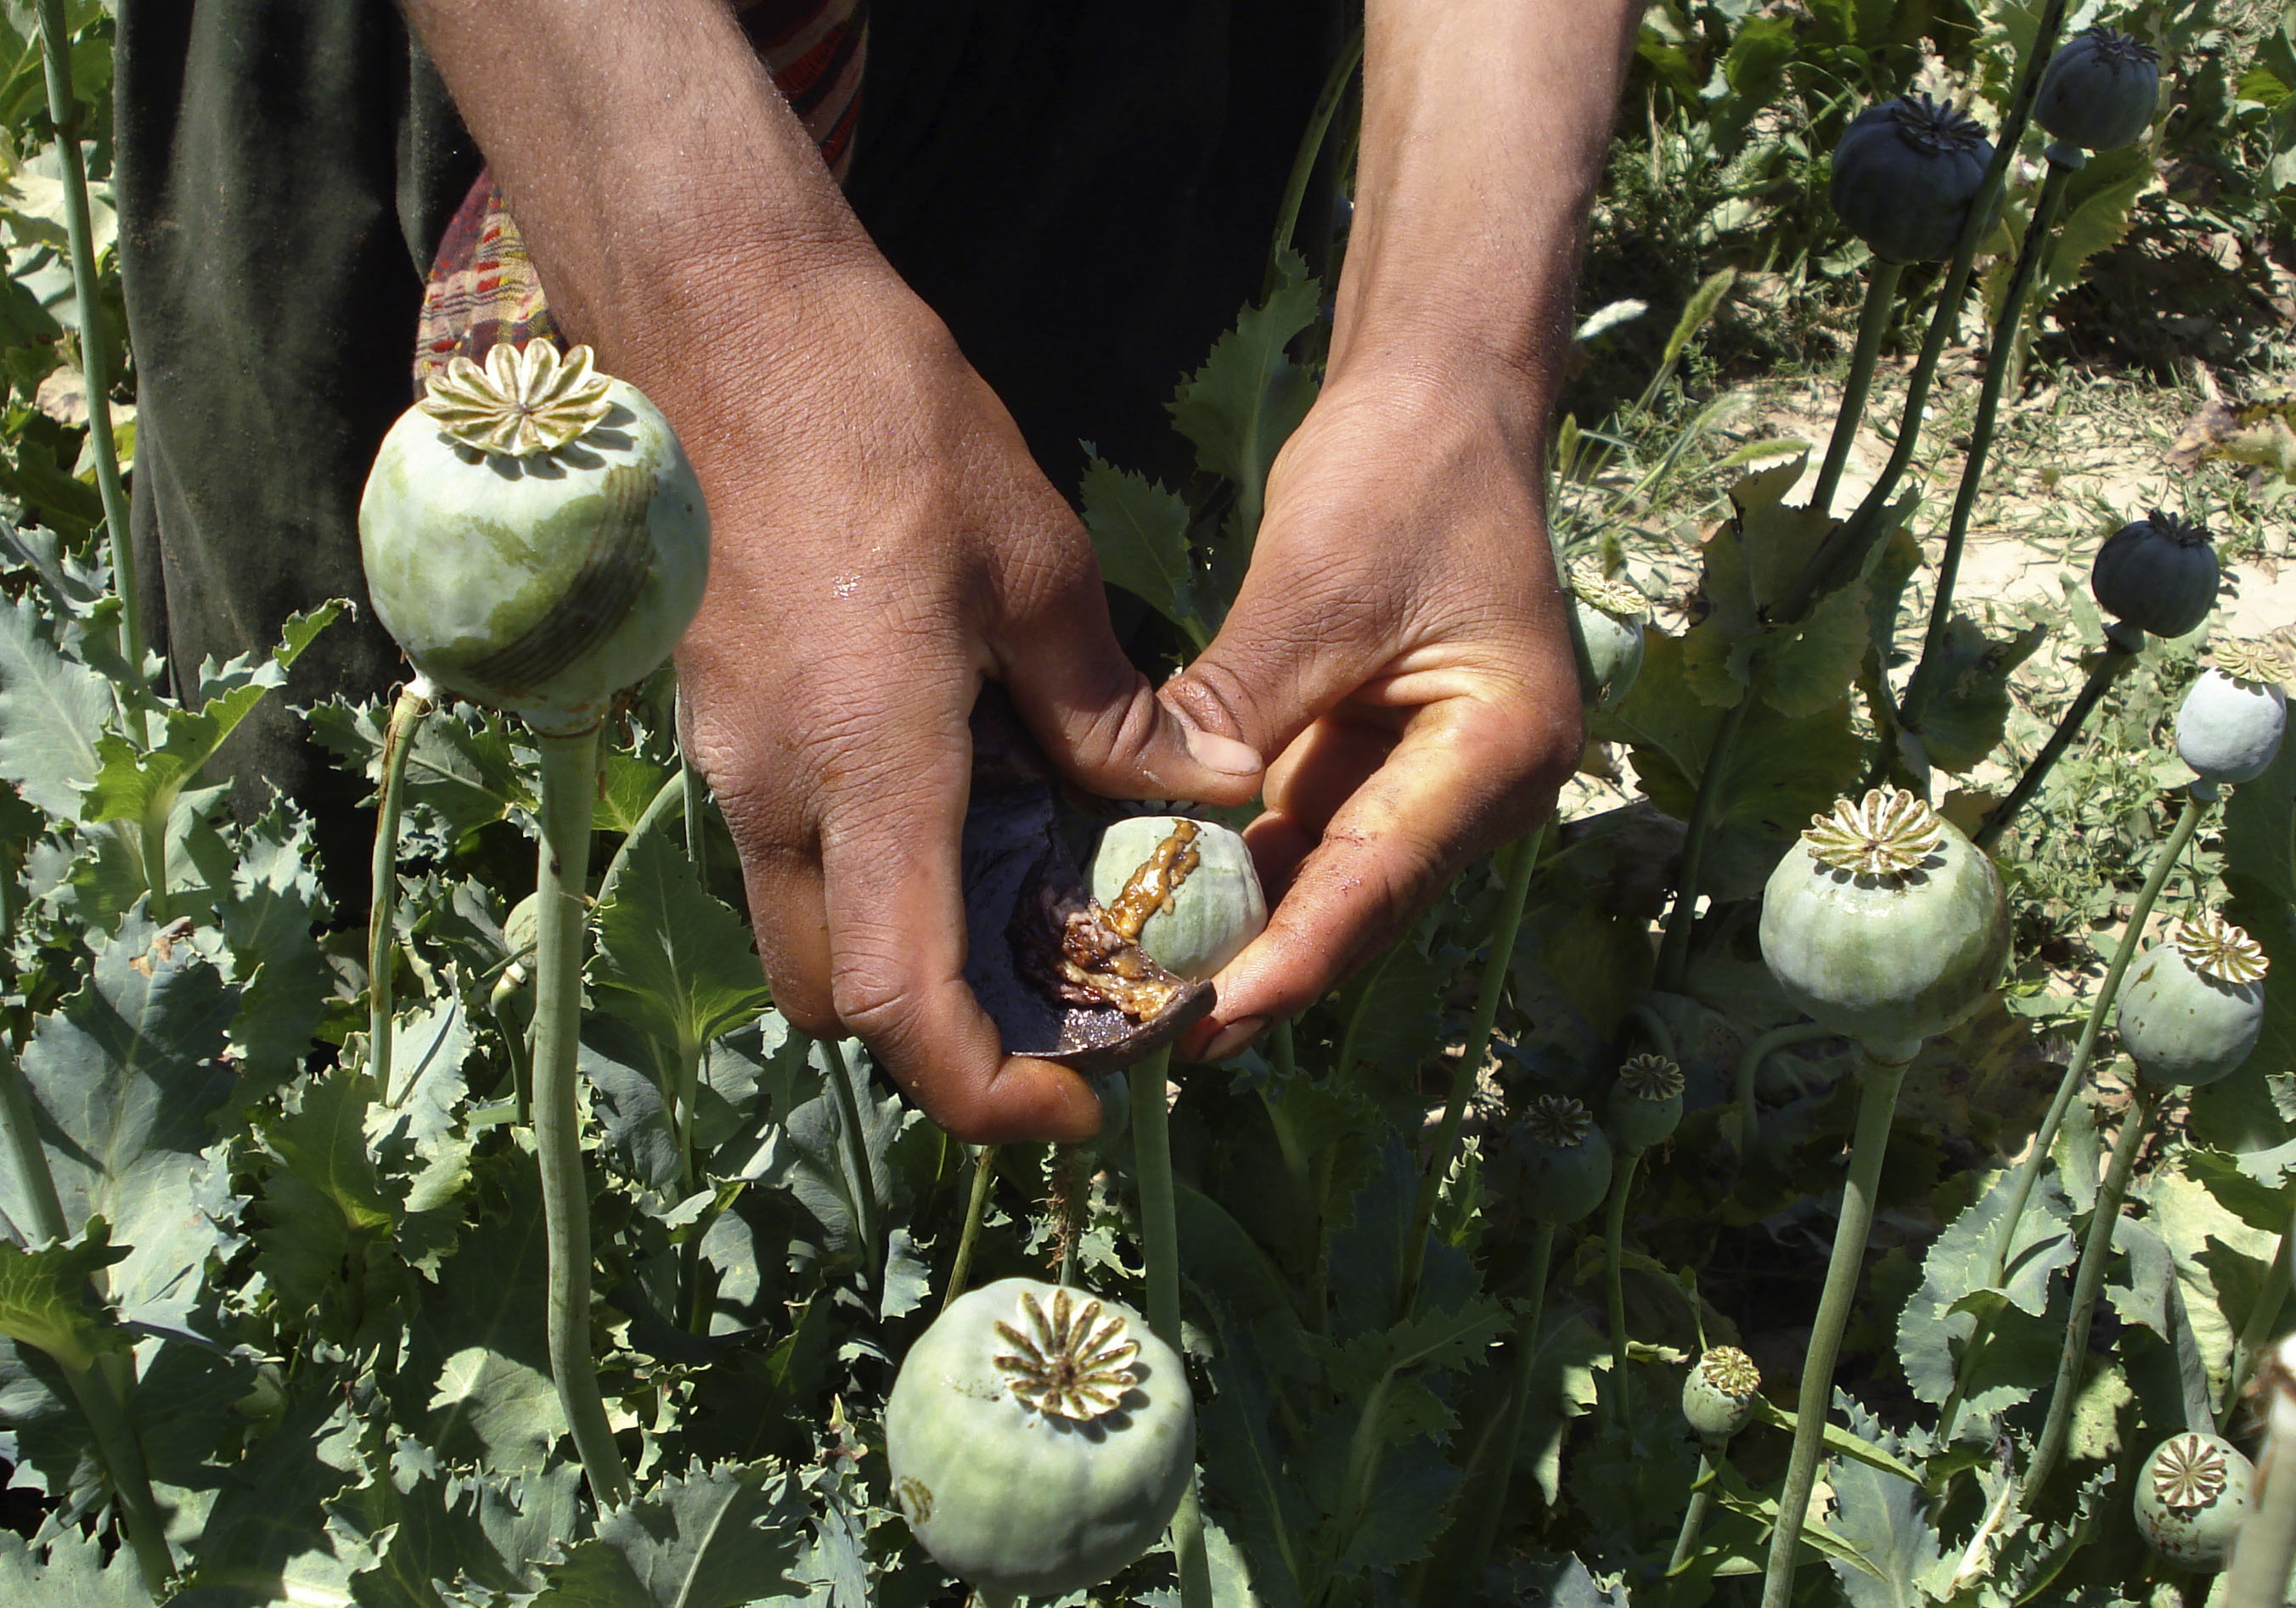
2099, 90
1906, 175
2159, 574
2191, 1497
1555, 1162
1720, 1394
1645, 1103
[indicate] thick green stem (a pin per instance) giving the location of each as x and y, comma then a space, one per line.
1674, 949
19, 1127
407, 715
976, 1206
1614, 1237
2117, 657
2096, 1250
1877, 1102
1311, 147
857, 1162
570, 774
97, 1390
1873, 320
1487, 1480
2100, 1012
2266, 1553
1160, 1245
2028, 1169
1998, 361
1519, 860
1844, 549
94, 352
1693, 1517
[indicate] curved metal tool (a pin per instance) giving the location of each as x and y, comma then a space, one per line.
1059, 983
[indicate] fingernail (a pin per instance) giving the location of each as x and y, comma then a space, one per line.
1233, 1037
1224, 755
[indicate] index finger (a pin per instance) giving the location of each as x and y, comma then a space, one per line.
1464, 774
896, 928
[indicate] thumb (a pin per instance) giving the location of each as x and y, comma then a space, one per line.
1282, 660
1100, 723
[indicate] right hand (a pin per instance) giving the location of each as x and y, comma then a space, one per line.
880, 542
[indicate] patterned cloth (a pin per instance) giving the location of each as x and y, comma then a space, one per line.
483, 289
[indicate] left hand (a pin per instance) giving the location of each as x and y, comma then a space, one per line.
1400, 642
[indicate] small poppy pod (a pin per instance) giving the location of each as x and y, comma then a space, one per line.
1645, 1103
2191, 1498
2193, 1008
2159, 574
1554, 1164
2230, 725
1721, 1393
1610, 614
2099, 90
1904, 175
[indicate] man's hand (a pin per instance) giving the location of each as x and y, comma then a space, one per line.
880, 541
1400, 641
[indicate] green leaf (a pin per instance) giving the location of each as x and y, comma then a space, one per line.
475, 1384
626, 783
132, 784
708, 1538
325, 1217
1942, 1315
2260, 877
45, 1298
67, 1568
1392, 1011
461, 775
268, 917
423, 1526
1970, 704
1882, 1516
671, 958
267, 1540
812, 1165
126, 1077
50, 709
1782, 769
1140, 535
1249, 397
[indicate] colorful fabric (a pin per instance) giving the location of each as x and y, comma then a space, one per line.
483, 289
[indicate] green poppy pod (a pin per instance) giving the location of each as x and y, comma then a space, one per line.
1038, 1438
533, 536
1721, 1394
2159, 574
2231, 723
2099, 90
2191, 1498
1645, 1103
1609, 614
1554, 1163
1186, 890
1885, 924
1905, 174
2192, 1010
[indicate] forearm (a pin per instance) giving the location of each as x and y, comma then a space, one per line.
665, 189
1486, 123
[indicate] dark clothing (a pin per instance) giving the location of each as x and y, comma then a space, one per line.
1084, 192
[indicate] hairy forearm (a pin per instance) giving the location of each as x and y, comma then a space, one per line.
664, 187
1485, 127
